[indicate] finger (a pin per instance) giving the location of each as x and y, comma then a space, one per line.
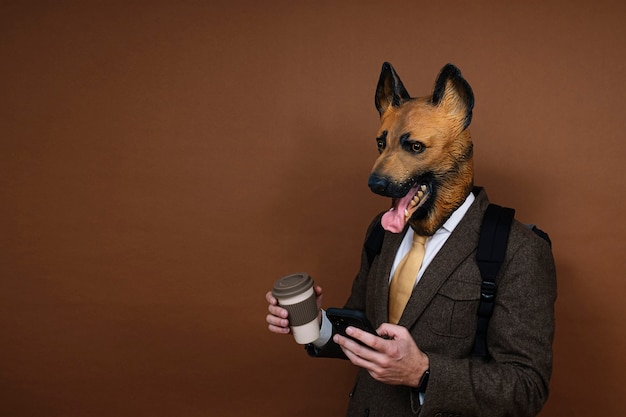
278, 311
358, 349
354, 358
347, 345
278, 329
277, 321
356, 353
375, 342
391, 331
270, 298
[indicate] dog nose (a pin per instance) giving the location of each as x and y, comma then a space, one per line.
378, 184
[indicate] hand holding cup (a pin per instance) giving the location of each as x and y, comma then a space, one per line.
294, 307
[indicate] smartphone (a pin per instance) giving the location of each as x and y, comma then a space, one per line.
341, 318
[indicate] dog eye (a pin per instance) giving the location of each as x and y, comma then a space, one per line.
380, 143
417, 147
410, 145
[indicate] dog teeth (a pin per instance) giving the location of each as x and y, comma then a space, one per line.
415, 200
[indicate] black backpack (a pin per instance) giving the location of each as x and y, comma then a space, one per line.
494, 235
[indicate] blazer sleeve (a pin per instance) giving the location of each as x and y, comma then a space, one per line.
514, 379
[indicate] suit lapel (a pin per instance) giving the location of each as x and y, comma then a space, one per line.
391, 243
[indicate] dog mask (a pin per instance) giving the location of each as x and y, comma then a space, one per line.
425, 163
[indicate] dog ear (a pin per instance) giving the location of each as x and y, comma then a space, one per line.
390, 90
453, 92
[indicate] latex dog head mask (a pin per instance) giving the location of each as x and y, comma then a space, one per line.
425, 163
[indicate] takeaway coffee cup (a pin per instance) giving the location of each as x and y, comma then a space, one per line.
295, 294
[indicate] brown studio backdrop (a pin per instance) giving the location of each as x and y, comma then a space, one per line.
162, 164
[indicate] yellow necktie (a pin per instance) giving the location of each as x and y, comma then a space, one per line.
403, 280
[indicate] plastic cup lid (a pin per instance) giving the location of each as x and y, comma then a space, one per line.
291, 285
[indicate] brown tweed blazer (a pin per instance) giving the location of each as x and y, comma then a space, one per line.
441, 316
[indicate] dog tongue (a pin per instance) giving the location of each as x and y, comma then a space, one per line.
395, 220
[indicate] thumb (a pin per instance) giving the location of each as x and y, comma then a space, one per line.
389, 331
318, 290
318, 296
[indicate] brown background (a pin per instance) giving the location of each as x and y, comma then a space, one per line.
162, 163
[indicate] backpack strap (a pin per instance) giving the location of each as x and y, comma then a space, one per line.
494, 235
540, 233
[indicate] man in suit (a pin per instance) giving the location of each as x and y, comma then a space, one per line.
421, 363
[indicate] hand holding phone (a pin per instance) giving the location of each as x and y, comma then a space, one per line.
342, 318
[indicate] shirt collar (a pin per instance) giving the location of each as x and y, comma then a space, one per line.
458, 214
